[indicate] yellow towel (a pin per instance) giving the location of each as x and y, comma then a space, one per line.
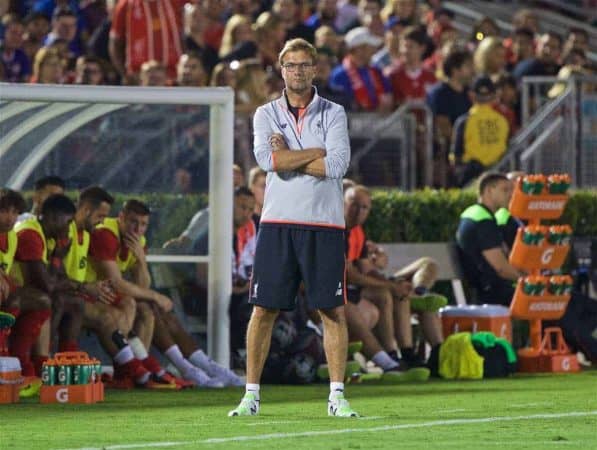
458, 358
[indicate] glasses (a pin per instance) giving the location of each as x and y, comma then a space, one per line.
292, 67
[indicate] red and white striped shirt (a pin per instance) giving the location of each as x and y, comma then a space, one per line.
151, 29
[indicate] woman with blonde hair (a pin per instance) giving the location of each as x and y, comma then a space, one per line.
238, 30
224, 75
251, 86
404, 9
48, 66
490, 57
269, 35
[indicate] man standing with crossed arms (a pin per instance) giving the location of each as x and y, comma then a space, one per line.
301, 141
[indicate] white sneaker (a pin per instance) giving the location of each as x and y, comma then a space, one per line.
224, 375
248, 406
338, 406
201, 379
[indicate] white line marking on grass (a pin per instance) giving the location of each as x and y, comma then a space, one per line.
452, 410
272, 422
264, 437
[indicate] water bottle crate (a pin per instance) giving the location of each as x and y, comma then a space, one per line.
542, 256
544, 306
541, 206
76, 394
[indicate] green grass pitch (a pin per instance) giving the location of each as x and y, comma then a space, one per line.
534, 412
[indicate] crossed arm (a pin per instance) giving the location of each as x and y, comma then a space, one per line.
273, 153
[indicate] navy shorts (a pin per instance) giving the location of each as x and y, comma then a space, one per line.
286, 255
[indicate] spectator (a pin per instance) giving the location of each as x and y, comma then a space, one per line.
238, 177
224, 75
506, 101
445, 43
213, 11
442, 21
389, 55
195, 26
526, 18
578, 39
347, 15
406, 10
480, 136
249, 8
89, 70
152, 74
326, 37
257, 186
360, 15
357, 79
521, 47
143, 31
98, 42
48, 67
190, 71
410, 81
251, 83
287, 11
17, 67
64, 28
370, 17
490, 57
326, 61
4, 9
237, 32
485, 27
48, 7
269, 35
326, 12
37, 27
481, 243
548, 52
449, 99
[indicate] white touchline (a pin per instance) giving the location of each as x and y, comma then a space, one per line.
271, 422
260, 437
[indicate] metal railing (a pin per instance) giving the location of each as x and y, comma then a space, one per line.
558, 133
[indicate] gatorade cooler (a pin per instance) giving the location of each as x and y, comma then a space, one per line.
10, 379
473, 318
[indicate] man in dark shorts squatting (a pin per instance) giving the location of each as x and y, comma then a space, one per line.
301, 141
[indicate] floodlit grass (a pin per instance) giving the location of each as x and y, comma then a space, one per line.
535, 412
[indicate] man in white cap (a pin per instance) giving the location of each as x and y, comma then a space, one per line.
360, 80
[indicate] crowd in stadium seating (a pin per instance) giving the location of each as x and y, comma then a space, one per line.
373, 55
